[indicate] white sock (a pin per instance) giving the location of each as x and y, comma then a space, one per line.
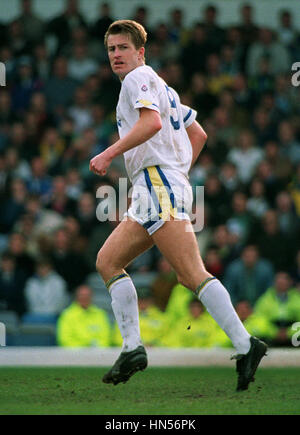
125, 308
216, 299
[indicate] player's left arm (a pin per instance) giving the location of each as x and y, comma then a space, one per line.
197, 138
148, 125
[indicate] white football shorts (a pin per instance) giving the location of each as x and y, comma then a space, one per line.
158, 194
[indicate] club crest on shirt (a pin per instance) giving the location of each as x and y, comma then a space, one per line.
144, 88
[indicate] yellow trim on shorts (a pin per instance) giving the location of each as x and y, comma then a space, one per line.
162, 194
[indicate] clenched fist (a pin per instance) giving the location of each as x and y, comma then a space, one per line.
100, 163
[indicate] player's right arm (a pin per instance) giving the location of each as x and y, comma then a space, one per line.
197, 138
148, 125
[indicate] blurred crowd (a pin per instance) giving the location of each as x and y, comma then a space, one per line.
57, 111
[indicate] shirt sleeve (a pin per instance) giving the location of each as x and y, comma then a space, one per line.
188, 114
141, 92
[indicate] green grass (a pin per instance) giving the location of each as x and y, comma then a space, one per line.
157, 391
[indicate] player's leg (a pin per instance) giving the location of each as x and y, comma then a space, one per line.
125, 243
180, 248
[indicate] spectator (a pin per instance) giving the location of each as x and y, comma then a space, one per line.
45, 292
59, 201
203, 100
80, 111
25, 85
262, 127
65, 261
169, 48
281, 165
6, 116
17, 247
178, 33
287, 218
74, 184
141, 16
41, 182
218, 79
240, 222
273, 185
85, 213
213, 263
290, 147
229, 177
216, 199
42, 61
15, 39
13, 207
267, 47
215, 34
45, 221
273, 243
248, 277
194, 54
225, 245
256, 324
197, 329
51, 148
257, 203
287, 34
103, 22
60, 88
17, 166
247, 28
82, 324
32, 25
281, 306
12, 282
81, 66
163, 283
246, 156
62, 25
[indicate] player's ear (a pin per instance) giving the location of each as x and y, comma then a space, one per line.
142, 52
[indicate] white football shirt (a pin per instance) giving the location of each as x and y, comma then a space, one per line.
170, 147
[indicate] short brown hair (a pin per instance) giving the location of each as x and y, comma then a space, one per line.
135, 30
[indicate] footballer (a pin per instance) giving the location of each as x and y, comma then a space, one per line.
160, 140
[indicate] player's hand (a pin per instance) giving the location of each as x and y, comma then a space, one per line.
100, 163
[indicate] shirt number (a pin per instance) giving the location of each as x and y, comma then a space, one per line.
174, 118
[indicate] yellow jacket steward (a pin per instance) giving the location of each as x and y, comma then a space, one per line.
79, 327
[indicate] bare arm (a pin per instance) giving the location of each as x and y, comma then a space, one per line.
147, 126
197, 138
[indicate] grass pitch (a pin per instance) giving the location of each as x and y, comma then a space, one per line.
159, 391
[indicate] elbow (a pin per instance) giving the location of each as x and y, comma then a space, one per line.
155, 126
158, 125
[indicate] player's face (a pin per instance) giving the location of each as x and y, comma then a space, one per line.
123, 55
